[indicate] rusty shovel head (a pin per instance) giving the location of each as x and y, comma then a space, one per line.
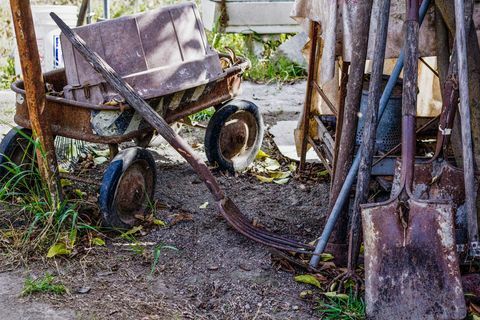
434, 180
411, 267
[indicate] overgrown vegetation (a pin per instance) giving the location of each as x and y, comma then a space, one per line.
7, 73
45, 284
341, 307
40, 223
266, 65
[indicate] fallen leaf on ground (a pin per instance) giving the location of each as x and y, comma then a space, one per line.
132, 231
204, 205
179, 217
58, 249
282, 181
271, 164
98, 241
326, 257
263, 179
83, 290
159, 222
279, 174
308, 279
304, 294
100, 160
333, 294
261, 155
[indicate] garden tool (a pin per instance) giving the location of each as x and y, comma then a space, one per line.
466, 131
437, 178
411, 266
352, 173
368, 142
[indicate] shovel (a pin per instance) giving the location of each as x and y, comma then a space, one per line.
438, 179
411, 267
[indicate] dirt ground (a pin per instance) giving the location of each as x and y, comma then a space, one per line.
216, 273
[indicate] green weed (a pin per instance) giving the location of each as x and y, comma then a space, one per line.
203, 115
7, 73
45, 284
157, 250
36, 215
267, 68
340, 308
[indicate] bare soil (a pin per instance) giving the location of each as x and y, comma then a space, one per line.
216, 273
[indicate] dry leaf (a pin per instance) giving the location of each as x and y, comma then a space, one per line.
308, 279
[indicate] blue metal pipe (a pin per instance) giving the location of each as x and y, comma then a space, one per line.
352, 174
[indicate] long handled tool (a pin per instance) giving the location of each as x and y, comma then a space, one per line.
368, 143
226, 206
411, 267
347, 185
468, 164
437, 178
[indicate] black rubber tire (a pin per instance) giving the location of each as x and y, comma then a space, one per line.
16, 147
113, 182
218, 122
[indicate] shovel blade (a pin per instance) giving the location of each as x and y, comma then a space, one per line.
412, 272
436, 180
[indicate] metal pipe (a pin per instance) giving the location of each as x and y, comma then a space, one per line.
106, 9
347, 185
467, 144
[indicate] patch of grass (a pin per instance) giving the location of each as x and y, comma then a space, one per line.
45, 284
350, 308
7, 73
36, 222
276, 69
203, 115
267, 68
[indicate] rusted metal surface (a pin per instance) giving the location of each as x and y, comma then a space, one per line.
73, 119
411, 266
412, 272
466, 128
341, 110
225, 205
312, 75
135, 185
238, 135
361, 13
158, 52
368, 143
35, 93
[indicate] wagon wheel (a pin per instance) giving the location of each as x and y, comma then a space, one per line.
127, 188
16, 149
234, 135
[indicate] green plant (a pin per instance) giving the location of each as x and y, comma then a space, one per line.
44, 223
203, 115
341, 307
45, 284
267, 68
7, 73
157, 250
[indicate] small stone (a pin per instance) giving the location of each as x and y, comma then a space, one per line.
295, 308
